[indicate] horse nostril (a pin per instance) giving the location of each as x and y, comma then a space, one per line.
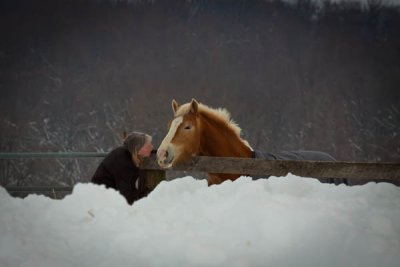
166, 154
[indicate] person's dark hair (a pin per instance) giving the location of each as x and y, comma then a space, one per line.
134, 141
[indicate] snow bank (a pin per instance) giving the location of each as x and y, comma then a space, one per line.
288, 221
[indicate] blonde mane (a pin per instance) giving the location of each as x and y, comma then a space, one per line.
219, 114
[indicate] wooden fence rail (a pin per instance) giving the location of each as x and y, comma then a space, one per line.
313, 169
246, 166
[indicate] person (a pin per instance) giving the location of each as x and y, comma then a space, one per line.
120, 168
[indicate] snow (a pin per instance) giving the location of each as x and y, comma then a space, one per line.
286, 221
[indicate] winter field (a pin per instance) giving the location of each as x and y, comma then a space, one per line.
287, 221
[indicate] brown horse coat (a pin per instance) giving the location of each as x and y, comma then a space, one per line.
197, 129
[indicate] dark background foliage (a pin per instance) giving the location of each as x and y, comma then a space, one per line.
75, 74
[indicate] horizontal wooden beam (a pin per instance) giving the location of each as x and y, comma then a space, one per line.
245, 166
314, 169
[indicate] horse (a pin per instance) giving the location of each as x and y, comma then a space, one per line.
199, 130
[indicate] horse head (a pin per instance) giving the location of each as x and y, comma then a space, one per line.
198, 130
183, 138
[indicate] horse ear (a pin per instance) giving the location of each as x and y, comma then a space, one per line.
194, 105
175, 105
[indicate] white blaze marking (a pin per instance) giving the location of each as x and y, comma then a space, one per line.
171, 133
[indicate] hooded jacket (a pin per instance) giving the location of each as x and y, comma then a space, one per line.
118, 171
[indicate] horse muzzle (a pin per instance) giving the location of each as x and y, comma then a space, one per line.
165, 157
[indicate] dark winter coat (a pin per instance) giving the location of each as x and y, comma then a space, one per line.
301, 155
118, 171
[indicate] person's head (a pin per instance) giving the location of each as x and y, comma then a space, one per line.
139, 145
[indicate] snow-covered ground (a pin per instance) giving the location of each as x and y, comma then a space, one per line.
287, 221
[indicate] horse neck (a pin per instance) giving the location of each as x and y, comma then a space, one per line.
221, 141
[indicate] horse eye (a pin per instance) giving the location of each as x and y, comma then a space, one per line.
188, 127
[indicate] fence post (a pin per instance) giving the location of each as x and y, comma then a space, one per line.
153, 177
151, 172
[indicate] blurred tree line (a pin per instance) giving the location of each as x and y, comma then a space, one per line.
75, 74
